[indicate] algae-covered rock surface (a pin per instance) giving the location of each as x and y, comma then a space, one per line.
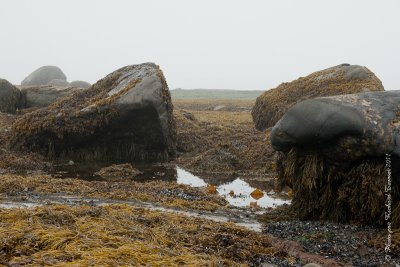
341, 160
338, 80
125, 116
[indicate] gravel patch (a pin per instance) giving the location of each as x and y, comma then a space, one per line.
341, 242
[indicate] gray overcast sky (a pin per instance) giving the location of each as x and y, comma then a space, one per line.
201, 44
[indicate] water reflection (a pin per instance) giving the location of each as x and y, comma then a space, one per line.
185, 177
237, 192
14, 204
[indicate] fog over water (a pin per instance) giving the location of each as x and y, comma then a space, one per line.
201, 44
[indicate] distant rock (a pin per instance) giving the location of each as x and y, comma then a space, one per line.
10, 97
58, 82
43, 76
43, 96
80, 84
338, 80
127, 116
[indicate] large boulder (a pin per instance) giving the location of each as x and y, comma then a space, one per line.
10, 97
43, 96
43, 75
338, 80
80, 84
125, 116
335, 154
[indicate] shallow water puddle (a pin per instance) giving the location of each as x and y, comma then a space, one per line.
185, 177
237, 192
15, 204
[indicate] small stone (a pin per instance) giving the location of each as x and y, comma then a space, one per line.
212, 189
253, 204
257, 194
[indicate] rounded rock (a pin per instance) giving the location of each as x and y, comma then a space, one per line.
43, 75
80, 84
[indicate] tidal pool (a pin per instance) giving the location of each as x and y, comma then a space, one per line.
236, 190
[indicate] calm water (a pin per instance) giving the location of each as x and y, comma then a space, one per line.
236, 190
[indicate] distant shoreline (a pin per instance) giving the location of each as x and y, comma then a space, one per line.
215, 94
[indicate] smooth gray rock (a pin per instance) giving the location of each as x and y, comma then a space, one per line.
356, 126
127, 116
80, 84
58, 82
356, 72
43, 75
43, 96
10, 97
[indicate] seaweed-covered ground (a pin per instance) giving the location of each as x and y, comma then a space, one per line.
120, 235
218, 136
59, 220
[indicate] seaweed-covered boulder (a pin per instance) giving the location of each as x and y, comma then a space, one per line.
125, 116
43, 96
335, 155
10, 97
43, 75
338, 80
80, 84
